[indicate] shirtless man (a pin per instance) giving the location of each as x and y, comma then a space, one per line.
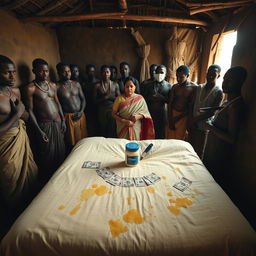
18, 169
104, 96
206, 95
156, 95
113, 75
47, 117
72, 100
224, 128
180, 104
90, 109
74, 72
125, 72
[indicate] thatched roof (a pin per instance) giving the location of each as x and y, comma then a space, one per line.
123, 13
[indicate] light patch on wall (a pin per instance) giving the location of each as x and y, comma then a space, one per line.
225, 52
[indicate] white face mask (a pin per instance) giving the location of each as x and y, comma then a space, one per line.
159, 77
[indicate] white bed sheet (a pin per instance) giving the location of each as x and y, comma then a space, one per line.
78, 213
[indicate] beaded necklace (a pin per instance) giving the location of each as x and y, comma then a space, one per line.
68, 85
8, 90
104, 86
43, 90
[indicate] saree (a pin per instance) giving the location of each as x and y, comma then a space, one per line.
143, 129
76, 130
18, 171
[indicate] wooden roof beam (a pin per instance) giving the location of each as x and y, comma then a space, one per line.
76, 8
123, 6
155, 8
206, 9
52, 7
209, 4
114, 16
16, 4
211, 15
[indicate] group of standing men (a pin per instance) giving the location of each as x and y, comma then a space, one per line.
184, 111
56, 112
57, 122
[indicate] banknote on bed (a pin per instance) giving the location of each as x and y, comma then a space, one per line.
114, 180
105, 173
183, 184
152, 177
127, 182
139, 182
91, 164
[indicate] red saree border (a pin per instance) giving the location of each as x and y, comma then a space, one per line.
128, 102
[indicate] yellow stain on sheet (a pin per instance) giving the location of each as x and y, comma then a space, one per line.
86, 194
117, 228
183, 202
150, 189
180, 202
129, 199
177, 169
169, 194
174, 209
75, 209
101, 190
193, 196
110, 192
151, 206
133, 216
197, 191
163, 177
61, 207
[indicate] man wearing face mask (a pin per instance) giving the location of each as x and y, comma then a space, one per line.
180, 105
125, 73
152, 71
156, 96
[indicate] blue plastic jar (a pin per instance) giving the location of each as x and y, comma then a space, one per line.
132, 155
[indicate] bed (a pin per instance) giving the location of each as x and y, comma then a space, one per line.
79, 213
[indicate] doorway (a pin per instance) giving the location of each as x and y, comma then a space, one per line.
224, 52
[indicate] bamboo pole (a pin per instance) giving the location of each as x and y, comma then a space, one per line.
16, 4
52, 7
211, 15
123, 5
114, 16
230, 3
205, 9
222, 30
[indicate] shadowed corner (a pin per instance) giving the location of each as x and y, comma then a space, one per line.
24, 74
53, 75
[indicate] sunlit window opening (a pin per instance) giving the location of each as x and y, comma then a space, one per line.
224, 53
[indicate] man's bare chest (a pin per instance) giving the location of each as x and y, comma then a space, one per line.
184, 92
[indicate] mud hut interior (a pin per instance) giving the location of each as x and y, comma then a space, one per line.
169, 32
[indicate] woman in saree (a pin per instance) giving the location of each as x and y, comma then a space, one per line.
131, 113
